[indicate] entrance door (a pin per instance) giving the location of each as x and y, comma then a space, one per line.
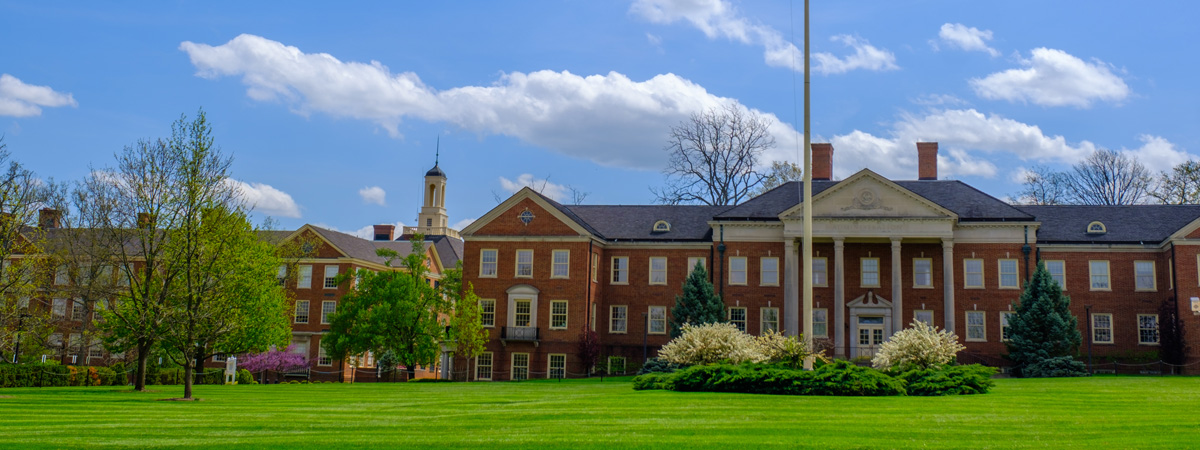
870, 334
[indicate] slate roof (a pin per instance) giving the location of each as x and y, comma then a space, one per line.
968, 203
1125, 224
449, 249
636, 222
356, 247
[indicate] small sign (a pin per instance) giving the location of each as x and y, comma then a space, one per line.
1196, 305
231, 370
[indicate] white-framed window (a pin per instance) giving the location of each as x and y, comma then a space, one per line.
618, 319
924, 316
58, 307
323, 358
737, 316
220, 358
62, 276
768, 271
595, 266
483, 366
592, 316
520, 366
1004, 331
522, 312
869, 274
488, 258
524, 264
976, 326
556, 366
922, 272
78, 311
560, 264
620, 270
558, 314
1143, 276
616, 364
1102, 332
820, 274
97, 352
820, 322
1058, 272
487, 312
693, 260
768, 320
331, 272
737, 270
658, 270
328, 307
304, 278
1008, 274
973, 273
1147, 329
281, 275
301, 311
1098, 271
658, 320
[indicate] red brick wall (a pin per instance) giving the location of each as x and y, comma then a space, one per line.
543, 224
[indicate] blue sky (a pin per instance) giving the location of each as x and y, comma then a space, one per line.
332, 113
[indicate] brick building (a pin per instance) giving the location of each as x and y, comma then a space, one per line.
886, 253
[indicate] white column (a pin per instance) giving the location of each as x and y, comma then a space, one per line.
791, 288
948, 283
839, 297
897, 288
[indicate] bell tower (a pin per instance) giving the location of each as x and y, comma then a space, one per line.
433, 221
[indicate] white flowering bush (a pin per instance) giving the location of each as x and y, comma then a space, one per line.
711, 343
790, 351
920, 346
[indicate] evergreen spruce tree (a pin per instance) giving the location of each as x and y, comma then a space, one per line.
1043, 334
699, 303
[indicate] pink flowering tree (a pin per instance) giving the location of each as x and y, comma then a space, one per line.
278, 361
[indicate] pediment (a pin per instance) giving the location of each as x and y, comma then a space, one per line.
869, 300
868, 194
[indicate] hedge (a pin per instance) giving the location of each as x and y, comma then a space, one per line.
836, 378
33, 375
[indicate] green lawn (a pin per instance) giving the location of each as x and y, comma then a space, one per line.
1097, 413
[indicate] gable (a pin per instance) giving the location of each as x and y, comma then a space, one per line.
866, 194
506, 219
312, 244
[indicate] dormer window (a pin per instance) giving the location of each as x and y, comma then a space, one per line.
662, 226
1096, 227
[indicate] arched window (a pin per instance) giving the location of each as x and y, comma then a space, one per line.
661, 226
1096, 227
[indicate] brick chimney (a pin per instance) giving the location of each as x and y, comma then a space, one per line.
49, 218
822, 161
927, 160
385, 232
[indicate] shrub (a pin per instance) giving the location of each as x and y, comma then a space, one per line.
425, 380
657, 365
788, 351
835, 378
949, 380
652, 381
1061, 366
120, 378
711, 343
245, 377
844, 378
921, 346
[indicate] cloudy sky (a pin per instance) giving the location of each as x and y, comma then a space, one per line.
333, 112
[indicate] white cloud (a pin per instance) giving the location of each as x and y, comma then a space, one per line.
957, 35
373, 194
556, 192
939, 100
1158, 154
18, 99
1054, 78
266, 199
654, 40
719, 19
463, 223
865, 57
560, 111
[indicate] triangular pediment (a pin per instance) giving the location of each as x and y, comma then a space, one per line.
868, 194
525, 213
869, 300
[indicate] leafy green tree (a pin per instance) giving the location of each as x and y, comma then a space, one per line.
466, 318
393, 310
1180, 186
20, 198
699, 303
1042, 333
780, 173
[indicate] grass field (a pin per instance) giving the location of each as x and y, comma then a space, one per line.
1100, 412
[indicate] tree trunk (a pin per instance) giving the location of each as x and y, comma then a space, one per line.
187, 377
139, 379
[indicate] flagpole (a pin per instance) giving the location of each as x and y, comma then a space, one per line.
806, 248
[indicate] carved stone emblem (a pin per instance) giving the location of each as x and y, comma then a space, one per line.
866, 199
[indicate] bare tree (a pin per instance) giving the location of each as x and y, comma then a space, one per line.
1180, 186
577, 196
1043, 186
1108, 177
780, 172
713, 156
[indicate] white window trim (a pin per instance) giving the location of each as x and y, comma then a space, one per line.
554, 264
611, 310
512, 365
321, 354
861, 272
517, 261
1000, 273
915, 285
595, 266
1062, 285
823, 281
612, 276
762, 319
326, 279
1092, 274
650, 270
650, 318
691, 263
745, 317
566, 314
762, 272
967, 326
324, 317
550, 364
296, 312
300, 275
1153, 276
1157, 330
982, 274
496, 261
826, 334
481, 312
1004, 314
490, 365
516, 310
932, 317
1112, 335
745, 271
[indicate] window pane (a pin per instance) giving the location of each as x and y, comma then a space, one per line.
617, 321
973, 270
487, 312
922, 275
658, 270
737, 270
1099, 271
820, 272
522, 313
561, 263
487, 266
820, 323
769, 273
620, 270
1057, 272
1147, 329
1008, 273
524, 263
870, 271
737, 316
1144, 275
